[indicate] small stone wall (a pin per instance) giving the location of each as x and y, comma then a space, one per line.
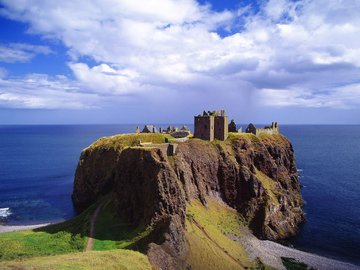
168, 149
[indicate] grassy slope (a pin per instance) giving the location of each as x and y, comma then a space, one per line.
112, 233
268, 184
66, 237
215, 250
116, 259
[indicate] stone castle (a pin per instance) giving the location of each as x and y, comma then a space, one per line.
213, 125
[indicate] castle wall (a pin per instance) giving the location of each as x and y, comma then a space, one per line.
168, 149
221, 128
204, 127
269, 131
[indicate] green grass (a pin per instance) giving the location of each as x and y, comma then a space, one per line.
292, 264
249, 137
264, 136
119, 142
112, 233
116, 259
220, 222
66, 237
268, 184
71, 236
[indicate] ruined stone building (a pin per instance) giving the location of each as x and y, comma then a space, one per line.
273, 129
211, 125
149, 129
232, 126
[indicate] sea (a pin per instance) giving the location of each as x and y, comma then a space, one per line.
38, 163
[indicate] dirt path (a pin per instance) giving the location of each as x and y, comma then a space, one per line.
216, 244
90, 242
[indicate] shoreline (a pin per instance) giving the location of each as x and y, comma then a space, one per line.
271, 252
14, 228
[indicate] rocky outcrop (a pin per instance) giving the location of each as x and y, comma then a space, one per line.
255, 175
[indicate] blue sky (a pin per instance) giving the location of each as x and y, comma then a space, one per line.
161, 61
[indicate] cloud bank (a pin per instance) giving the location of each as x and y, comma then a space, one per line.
286, 54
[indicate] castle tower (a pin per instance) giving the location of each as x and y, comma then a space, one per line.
204, 127
221, 126
276, 127
211, 125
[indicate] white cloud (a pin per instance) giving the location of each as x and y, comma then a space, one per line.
39, 91
340, 97
275, 9
287, 53
105, 80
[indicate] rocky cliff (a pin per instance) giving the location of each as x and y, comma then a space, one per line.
256, 175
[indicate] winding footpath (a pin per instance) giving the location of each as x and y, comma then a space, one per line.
90, 242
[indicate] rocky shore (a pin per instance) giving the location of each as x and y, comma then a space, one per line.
272, 252
5, 228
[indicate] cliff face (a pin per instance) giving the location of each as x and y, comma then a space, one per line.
255, 175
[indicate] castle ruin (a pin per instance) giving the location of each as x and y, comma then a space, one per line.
211, 125
273, 129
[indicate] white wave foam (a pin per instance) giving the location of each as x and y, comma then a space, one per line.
5, 212
299, 170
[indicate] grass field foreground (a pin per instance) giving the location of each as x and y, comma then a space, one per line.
115, 259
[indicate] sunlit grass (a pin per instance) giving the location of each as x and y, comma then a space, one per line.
66, 237
222, 224
116, 259
119, 142
268, 184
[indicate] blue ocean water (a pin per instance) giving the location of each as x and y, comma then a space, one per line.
37, 166
328, 158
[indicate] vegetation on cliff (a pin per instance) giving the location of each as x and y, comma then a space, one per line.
212, 233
